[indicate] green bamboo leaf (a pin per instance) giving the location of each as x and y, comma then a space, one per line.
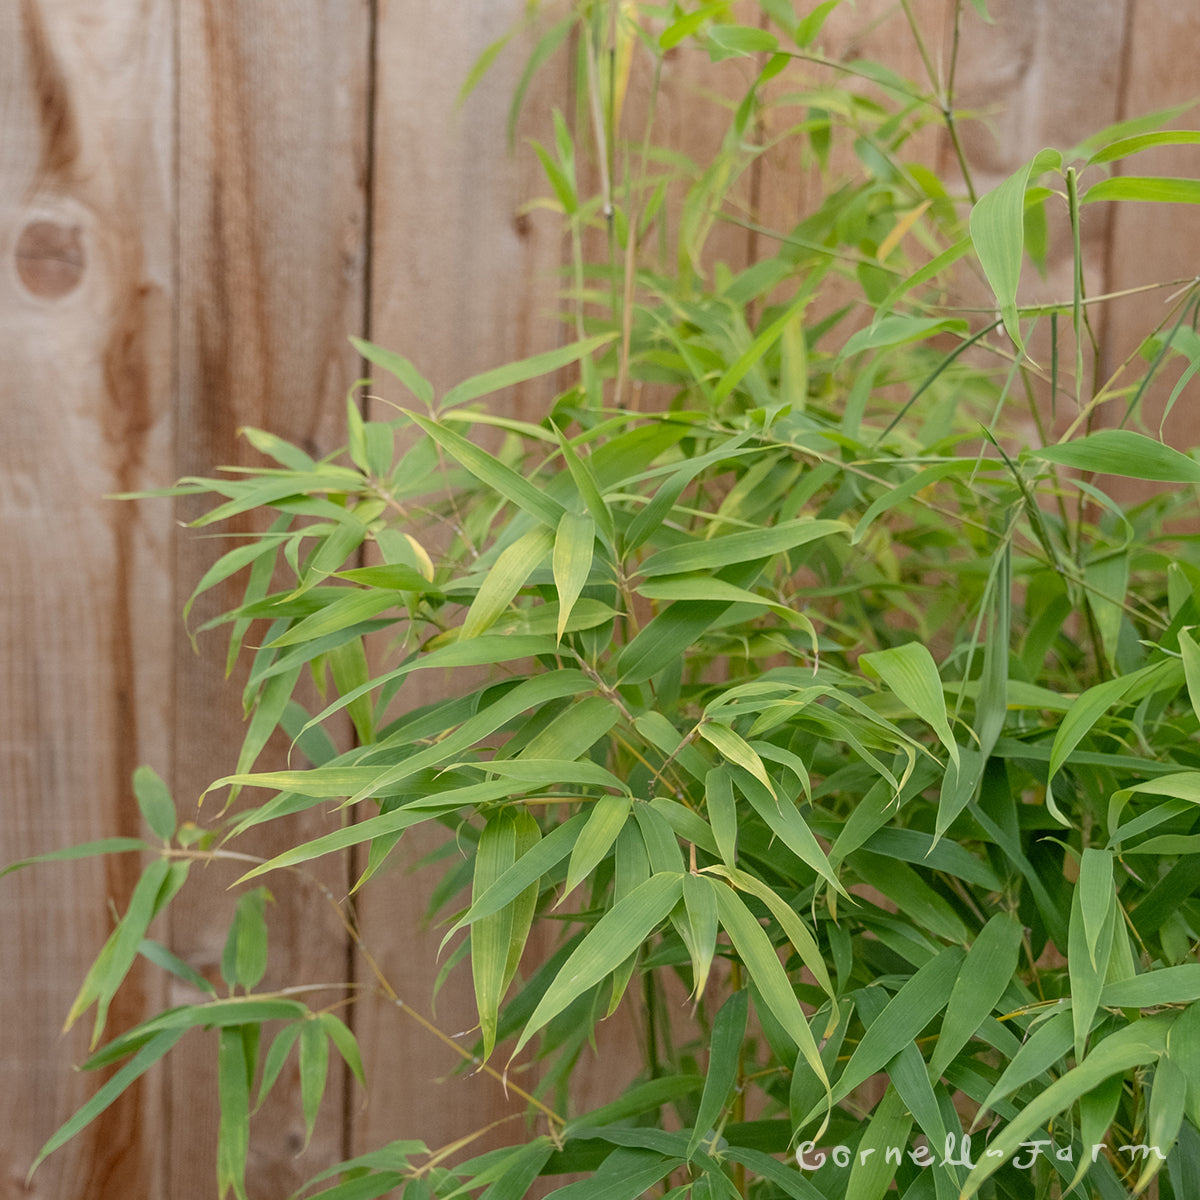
714, 553
686, 823
872, 1173
1097, 896
1183, 1049
754, 948
244, 961
664, 638
921, 998
910, 673
1124, 147
574, 542
1123, 452
899, 331
604, 823
1134, 1046
506, 578
275, 447
722, 812
142, 1061
494, 474
498, 938
277, 1055
651, 518
984, 977
160, 956
1168, 1097
784, 820
1164, 985
797, 932
340, 1035
701, 907
525, 871
733, 747
573, 733
997, 226
588, 487
1088, 965
386, 825
624, 1175
931, 270
724, 1054
398, 366
1097, 1110
706, 587
154, 800
158, 884
1155, 189
522, 370
274, 698
314, 1070
357, 604
541, 772
613, 939
234, 1073
909, 487
1048, 1044
114, 845
763, 341
742, 39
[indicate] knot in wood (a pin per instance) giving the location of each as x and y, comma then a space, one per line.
50, 258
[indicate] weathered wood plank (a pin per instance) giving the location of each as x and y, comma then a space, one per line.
463, 280
86, 208
272, 163
1156, 242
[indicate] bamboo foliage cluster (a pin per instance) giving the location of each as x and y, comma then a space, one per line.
829, 685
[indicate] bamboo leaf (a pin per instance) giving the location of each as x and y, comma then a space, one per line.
997, 226
494, 474
758, 955
910, 673
314, 1069
714, 553
154, 800
1155, 189
523, 369
233, 1090
604, 823
922, 997
724, 1054
701, 907
1134, 1046
1123, 452
142, 1061
574, 541
613, 939
498, 938
398, 366
899, 331
506, 578
353, 606
984, 977
115, 845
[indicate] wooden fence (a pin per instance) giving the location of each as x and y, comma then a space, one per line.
199, 201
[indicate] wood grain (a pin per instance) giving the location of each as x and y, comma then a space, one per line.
463, 280
272, 163
86, 289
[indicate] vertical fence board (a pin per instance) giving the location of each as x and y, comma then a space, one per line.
86, 206
272, 161
463, 280
1156, 242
